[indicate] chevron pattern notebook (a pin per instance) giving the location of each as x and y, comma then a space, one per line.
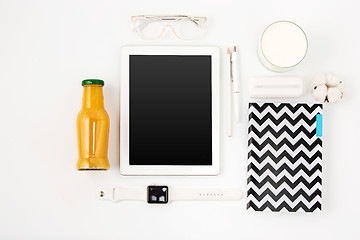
284, 157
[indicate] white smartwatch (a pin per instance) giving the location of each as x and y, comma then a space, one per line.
155, 194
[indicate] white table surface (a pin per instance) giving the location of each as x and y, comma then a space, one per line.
48, 47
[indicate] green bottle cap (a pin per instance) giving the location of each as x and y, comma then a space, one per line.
92, 81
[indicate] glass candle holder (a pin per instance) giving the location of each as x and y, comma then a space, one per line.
283, 45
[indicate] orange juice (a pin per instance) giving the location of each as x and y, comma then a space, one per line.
93, 125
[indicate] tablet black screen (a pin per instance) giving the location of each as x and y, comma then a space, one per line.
170, 110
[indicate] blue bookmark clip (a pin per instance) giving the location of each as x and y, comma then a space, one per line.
319, 126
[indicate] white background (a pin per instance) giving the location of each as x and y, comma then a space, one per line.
48, 47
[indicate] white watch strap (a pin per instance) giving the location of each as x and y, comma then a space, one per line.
205, 194
119, 194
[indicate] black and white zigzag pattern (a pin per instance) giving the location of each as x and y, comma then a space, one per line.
284, 158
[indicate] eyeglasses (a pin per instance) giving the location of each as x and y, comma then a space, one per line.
153, 27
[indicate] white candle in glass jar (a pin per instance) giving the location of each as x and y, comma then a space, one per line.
282, 46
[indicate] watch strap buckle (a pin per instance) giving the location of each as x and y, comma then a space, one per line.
106, 194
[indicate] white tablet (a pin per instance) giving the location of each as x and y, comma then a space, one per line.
169, 110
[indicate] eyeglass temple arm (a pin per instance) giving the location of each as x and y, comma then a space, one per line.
151, 19
192, 19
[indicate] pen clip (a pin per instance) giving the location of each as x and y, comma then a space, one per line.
231, 72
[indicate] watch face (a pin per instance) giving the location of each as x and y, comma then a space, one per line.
158, 194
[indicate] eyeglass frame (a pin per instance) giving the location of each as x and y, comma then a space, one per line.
165, 19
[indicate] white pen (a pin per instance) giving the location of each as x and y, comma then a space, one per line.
236, 82
229, 94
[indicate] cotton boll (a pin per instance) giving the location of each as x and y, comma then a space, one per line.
320, 92
327, 88
332, 80
319, 79
334, 94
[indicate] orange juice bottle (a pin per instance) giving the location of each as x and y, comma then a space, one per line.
93, 125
